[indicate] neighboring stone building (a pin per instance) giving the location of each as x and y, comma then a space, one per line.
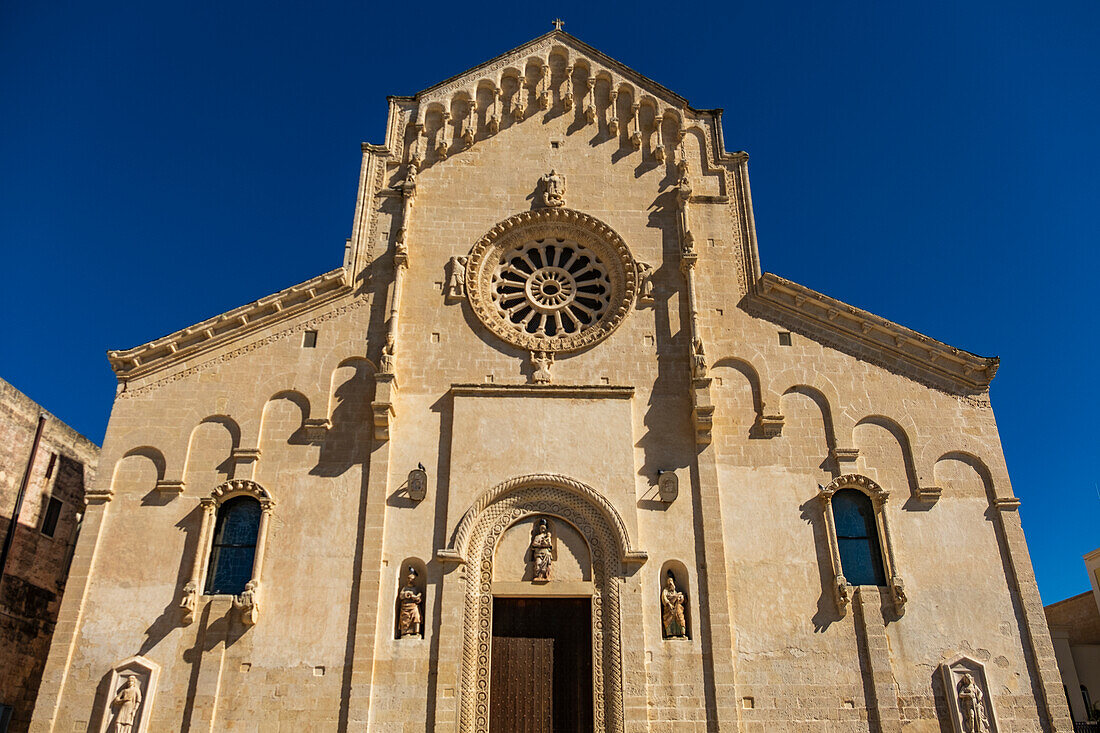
44, 466
548, 444
1075, 627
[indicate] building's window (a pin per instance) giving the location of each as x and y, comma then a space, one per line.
857, 538
234, 546
1088, 702
309, 340
5, 717
49, 521
784, 338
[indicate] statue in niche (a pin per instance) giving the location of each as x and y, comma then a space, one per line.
972, 705
248, 603
542, 552
542, 361
456, 279
409, 598
128, 702
553, 193
698, 359
672, 610
645, 282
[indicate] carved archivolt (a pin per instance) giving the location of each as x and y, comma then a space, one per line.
481, 528
553, 280
460, 544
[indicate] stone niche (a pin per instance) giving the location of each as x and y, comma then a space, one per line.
969, 702
572, 561
130, 713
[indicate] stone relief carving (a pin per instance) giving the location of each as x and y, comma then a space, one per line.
386, 362
698, 359
189, 601
542, 550
126, 705
668, 485
968, 701
456, 279
672, 610
130, 693
541, 361
248, 603
553, 189
645, 283
418, 483
409, 598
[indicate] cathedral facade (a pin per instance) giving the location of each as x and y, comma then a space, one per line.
549, 451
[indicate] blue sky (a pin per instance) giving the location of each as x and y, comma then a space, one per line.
934, 163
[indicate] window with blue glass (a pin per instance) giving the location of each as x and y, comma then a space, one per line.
234, 546
857, 538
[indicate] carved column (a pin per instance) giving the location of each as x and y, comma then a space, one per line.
613, 111
702, 405
636, 135
192, 591
468, 127
567, 88
441, 144
494, 118
543, 86
590, 107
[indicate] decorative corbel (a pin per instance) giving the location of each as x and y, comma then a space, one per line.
613, 111
441, 143
567, 86
590, 97
519, 109
541, 361
636, 136
658, 139
316, 428
543, 85
494, 120
771, 426
248, 603
469, 124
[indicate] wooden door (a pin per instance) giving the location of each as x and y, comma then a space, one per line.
522, 685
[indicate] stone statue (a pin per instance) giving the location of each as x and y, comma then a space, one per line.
542, 550
386, 363
248, 603
542, 361
128, 702
189, 601
456, 278
409, 598
698, 359
972, 705
553, 189
645, 282
672, 610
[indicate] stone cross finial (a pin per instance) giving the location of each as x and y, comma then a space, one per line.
558, 23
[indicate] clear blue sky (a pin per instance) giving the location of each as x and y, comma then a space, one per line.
935, 163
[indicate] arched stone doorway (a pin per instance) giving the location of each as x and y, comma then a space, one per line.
475, 542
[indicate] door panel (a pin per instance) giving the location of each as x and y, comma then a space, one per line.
521, 686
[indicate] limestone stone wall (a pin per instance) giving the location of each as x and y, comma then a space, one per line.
37, 565
332, 430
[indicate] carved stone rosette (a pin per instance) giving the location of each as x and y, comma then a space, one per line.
551, 305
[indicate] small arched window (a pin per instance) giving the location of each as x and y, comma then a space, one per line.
233, 550
857, 538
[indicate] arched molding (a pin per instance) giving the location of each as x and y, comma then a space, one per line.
842, 589
901, 433
459, 548
227, 423
160, 466
249, 602
745, 368
993, 472
478, 534
824, 400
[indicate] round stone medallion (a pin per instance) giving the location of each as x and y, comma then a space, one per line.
551, 280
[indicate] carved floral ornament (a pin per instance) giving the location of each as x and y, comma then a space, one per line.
551, 280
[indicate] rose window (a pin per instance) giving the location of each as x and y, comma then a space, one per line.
551, 280
550, 287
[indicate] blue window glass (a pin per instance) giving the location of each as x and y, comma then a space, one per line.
860, 556
234, 546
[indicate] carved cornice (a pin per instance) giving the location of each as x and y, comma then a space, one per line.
213, 332
580, 391
853, 481
931, 358
241, 487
